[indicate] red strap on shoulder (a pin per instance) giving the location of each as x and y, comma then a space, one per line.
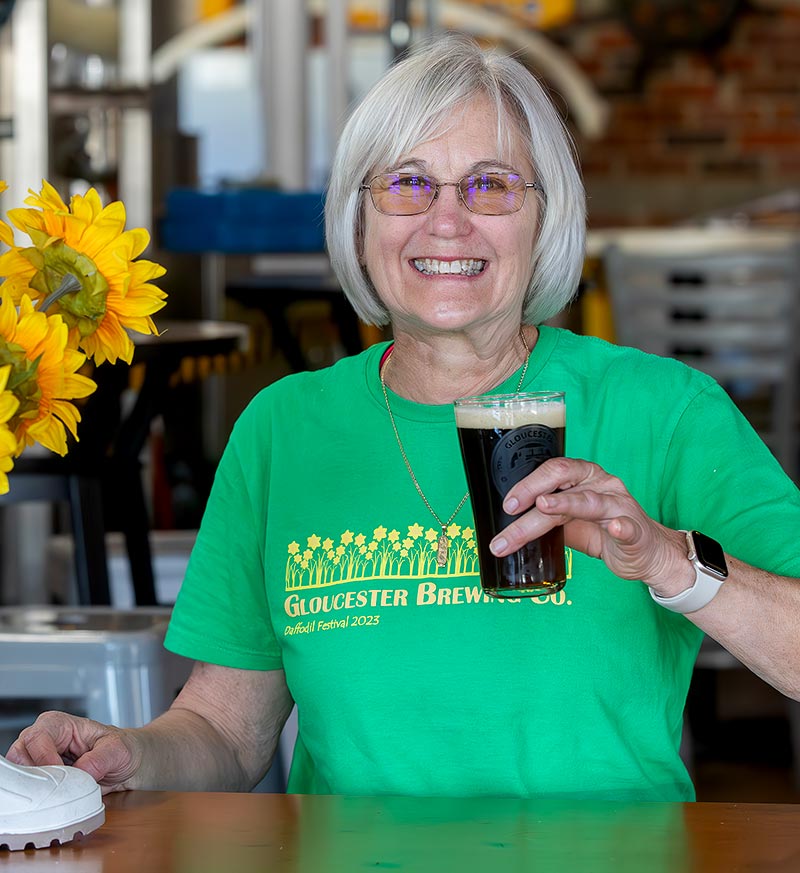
384, 356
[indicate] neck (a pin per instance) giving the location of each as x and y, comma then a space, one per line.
438, 372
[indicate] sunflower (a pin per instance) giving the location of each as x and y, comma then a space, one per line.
8, 443
82, 266
42, 377
6, 234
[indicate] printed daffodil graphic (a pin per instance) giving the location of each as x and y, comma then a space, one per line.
387, 554
8, 442
82, 266
43, 375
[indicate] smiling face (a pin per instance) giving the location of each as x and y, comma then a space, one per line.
448, 269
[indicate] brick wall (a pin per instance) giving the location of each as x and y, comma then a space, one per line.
691, 132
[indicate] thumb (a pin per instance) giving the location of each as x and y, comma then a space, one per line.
623, 530
108, 762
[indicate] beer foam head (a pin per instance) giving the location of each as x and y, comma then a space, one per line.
487, 413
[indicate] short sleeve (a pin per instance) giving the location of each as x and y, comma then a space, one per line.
721, 478
222, 615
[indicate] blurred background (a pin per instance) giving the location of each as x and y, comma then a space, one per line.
214, 122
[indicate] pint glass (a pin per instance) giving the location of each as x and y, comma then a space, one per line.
503, 438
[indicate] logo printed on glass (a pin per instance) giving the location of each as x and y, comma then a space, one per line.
520, 452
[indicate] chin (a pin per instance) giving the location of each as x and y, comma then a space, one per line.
453, 321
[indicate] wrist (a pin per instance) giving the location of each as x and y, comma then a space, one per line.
677, 573
707, 560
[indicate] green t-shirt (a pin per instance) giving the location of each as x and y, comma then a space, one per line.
316, 555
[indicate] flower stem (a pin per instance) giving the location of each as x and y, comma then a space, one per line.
69, 284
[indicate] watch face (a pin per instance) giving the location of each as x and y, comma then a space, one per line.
709, 553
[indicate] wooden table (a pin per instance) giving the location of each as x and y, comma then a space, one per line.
159, 832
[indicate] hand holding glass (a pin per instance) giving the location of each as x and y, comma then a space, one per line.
503, 438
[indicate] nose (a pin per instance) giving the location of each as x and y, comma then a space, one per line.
447, 215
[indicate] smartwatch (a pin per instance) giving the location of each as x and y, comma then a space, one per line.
710, 570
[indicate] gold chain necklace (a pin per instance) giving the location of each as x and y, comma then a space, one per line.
444, 543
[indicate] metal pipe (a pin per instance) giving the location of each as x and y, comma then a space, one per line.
279, 32
31, 154
336, 47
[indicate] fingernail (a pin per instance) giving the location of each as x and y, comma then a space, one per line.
497, 545
545, 501
511, 505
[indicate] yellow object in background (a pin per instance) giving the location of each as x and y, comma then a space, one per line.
210, 8
595, 302
556, 13
541, 14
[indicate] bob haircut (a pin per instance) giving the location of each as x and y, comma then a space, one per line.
410, 105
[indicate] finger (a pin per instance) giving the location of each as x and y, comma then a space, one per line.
587, 504
553, 475
108, 762
608, 511
18, 754
40, 748
525, 529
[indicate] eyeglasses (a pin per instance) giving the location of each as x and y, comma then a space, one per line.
483, 194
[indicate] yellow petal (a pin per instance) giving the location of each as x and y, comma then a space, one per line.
8, 313
22, 218
49, 198
50, 433
144, 271
6, 234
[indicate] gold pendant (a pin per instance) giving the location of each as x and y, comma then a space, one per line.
441, 552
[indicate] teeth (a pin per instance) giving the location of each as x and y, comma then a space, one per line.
464, 267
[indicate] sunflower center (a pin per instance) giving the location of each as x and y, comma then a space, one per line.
82, 308
22, 382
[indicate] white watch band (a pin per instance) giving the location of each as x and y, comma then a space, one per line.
705, 588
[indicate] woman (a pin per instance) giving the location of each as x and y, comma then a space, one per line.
455, 213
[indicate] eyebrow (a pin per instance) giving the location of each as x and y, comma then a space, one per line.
477, 167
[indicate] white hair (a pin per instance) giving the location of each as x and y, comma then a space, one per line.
408, 106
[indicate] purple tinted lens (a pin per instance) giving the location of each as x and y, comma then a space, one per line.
407, 192
492, 193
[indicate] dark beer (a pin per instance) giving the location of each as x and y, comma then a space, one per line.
500, 446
